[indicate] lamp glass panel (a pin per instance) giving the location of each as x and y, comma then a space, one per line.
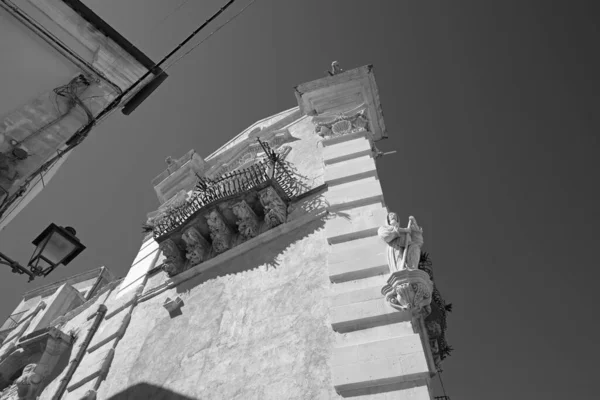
57, 248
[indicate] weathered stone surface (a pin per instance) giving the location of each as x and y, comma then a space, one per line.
379, 363
254, 327
365, 314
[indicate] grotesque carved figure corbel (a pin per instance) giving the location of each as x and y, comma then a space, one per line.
173, 263
247, 220
219, 232
197, 248
28, 382
275, 208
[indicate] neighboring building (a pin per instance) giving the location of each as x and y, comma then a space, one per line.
264, 275
63, 69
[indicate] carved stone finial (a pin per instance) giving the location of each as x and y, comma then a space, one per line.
197, 247
335, 68
409, 290
169, 161
247, 220
275, 208
173, 263
220, 233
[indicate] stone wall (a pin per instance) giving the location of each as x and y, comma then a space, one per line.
254, 327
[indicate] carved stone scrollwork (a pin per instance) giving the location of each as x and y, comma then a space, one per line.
247, 220
220, 233
174, 262
275, 208
342, 124
197, 248
409, 290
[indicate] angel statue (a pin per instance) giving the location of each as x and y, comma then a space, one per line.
397, 239
416, 241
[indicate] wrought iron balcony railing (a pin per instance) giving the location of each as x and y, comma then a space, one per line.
442, 397
209, 191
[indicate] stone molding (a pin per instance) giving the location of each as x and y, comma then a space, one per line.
409, 290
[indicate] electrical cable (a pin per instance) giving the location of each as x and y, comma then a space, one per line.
82, 133
209, 35
170, 14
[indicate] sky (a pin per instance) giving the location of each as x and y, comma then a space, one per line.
491, 107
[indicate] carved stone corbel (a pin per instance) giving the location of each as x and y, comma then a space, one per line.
197, 248
220, 233
409, 290
28, 384
174, 262
275, 208
247, 220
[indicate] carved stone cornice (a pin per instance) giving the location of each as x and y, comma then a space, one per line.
275, 208
247, 220
174, 263
409, 290
220, 233
197, 248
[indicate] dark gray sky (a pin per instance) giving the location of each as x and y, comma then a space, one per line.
492, 107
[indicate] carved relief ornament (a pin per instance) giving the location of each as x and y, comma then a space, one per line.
336, 125
409, 290
247, 220
174, 262
275, 208
197, 248
220, 233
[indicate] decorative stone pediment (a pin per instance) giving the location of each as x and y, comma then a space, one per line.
409, 290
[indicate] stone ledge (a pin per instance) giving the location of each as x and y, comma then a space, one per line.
398, 329
381, 363
365, 314
354, 194
357, 223
350, 170
353, 147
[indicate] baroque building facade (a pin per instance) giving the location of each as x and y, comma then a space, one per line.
272, 269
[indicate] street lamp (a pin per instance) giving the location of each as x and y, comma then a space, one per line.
54, 246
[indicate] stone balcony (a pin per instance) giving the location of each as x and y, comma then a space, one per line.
222, 213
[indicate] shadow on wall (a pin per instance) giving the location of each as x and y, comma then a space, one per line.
267, 255
148, 391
